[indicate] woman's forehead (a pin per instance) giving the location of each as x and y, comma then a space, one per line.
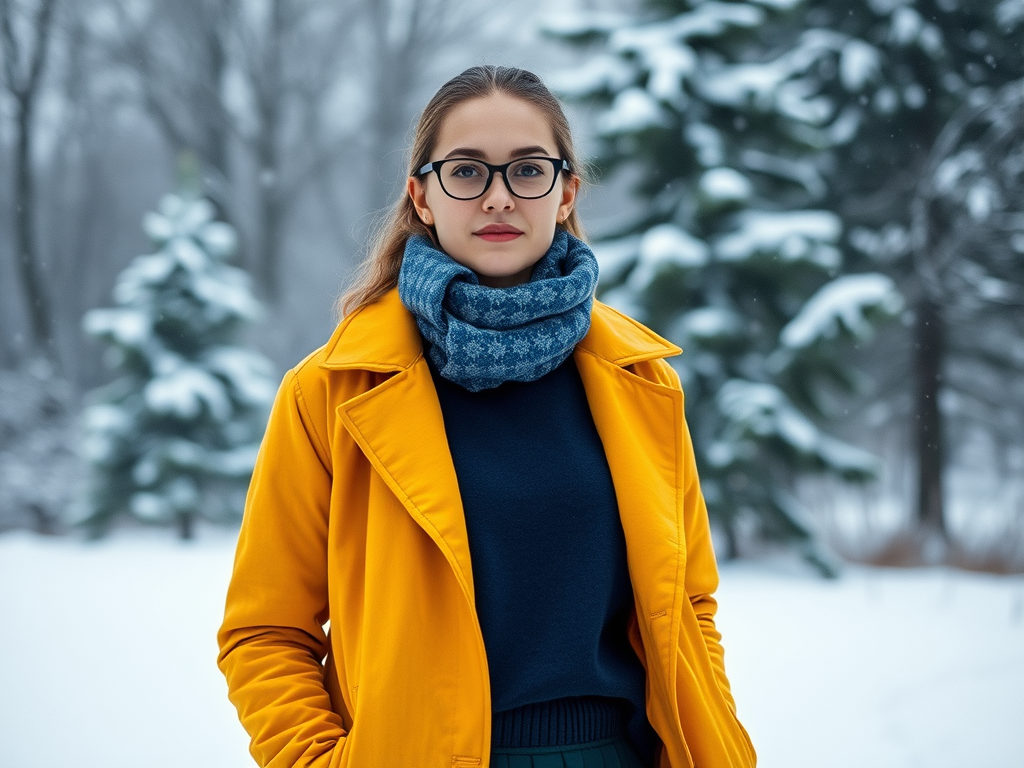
496, 127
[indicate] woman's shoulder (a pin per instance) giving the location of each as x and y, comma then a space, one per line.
367, 346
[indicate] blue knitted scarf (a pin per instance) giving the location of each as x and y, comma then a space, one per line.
480, 336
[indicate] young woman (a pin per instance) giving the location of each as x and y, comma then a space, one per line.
483, 483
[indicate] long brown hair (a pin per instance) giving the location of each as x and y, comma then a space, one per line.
379, 272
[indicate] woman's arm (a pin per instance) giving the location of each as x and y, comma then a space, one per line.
272, 641
701, 567
718, 720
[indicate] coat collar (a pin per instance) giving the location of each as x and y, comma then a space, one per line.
382, 336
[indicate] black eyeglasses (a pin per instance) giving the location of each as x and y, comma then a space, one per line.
527, 178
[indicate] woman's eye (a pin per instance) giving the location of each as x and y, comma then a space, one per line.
529, 170
465, 171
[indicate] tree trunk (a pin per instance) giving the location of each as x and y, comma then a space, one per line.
929, 352
270, 205
186, 526
24, 88
33, 287
268, 245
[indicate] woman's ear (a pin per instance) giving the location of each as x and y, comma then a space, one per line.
418, 195
568, 198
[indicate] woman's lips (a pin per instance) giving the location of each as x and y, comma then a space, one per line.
499, 237
498, 233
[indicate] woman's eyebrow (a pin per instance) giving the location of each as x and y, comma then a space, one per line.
521, 152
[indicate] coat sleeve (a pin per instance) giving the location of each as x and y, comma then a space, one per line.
701, 581
272, 641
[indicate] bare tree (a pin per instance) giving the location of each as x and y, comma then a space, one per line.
179, 51
213, 75
26, 33
290, 57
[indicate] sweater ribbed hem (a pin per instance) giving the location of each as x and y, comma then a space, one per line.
574, 720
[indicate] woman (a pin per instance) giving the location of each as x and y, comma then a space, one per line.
484, 484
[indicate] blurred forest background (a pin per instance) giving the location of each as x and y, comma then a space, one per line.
822, 202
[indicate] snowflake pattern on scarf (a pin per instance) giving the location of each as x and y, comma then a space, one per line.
481, 337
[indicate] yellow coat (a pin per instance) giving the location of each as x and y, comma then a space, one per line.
354, 516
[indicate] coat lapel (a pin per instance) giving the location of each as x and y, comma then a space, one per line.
399, 425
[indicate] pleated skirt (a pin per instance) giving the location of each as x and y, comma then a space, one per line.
615, 752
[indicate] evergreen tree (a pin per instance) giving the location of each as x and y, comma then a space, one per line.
734, 256
175, 437
967, 266
889, 76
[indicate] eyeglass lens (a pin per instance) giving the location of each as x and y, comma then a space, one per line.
525, 178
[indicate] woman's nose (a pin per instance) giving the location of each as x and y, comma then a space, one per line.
498, 194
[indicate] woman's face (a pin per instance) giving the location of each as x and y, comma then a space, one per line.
495, 129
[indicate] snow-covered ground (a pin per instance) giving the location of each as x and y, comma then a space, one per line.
107, 660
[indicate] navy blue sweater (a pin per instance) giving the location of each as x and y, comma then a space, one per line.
549, 561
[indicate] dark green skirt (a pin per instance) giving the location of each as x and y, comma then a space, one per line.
615, 752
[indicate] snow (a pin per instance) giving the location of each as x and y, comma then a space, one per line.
662, 245
707, 141
632, 110
732, 86
659, 48
625, 300
793, 235
1009, 14
228, 292
107, 653
126, 327
798, 99
982, 200
763, 410
885, 668
250, 374
859, 63
763, 83
599, 73
709, 323
886, 101
906, 26
725, 184
710, 19
842, 304
781, 5
614, 256
915, 96
886, 244
576, 24
188, 254
107, 658
802, 173
219, 239
669, 66
183, 392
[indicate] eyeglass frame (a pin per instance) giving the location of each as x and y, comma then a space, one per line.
560, 164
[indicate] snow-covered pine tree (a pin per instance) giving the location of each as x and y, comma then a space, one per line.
175, 437
733, 255
889, 75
